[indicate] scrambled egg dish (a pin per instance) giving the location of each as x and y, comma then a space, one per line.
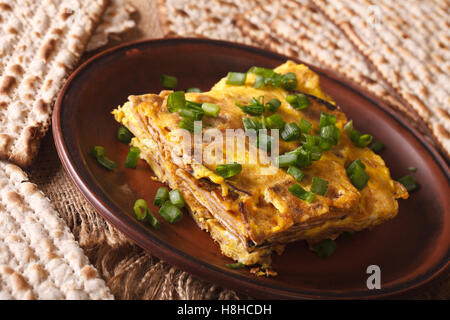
325, 181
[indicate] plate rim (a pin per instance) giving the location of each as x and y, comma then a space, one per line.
184, 261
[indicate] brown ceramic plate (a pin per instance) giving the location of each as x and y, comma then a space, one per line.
411, 250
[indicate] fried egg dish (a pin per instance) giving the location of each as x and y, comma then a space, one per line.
324, 181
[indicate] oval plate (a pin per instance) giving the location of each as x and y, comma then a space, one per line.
410, 250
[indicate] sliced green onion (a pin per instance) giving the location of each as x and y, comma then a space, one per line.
259, 82
132, 157
255, 107
274, 121
191, 114
236, 78
193, 105
140, 209
356, 162
228, 170
330, 134
273, 105
290, 132
265, 72
298, 101
325, 248
289, 81
357, 174
327, 119
304, 158
301, 193
377, 146
151, 219
211, 110
296, 173
254, 110
237, 265
364, 140
287, 159
265, 142
98, 153
176, 198
124, 135
305, 126
319, 186
170, 82
186, 124
170, 212
412, 169
176, 101
251, 124
162, 194
409, 183
359, 139
194, 90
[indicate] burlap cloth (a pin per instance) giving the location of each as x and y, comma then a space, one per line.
129, 271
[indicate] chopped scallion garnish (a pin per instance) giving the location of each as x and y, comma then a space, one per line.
289, 81
140, 209
169, 82
412, 169
255, 106
409, 183
237, 265
124, 135
186, 124
151, 219
359, 139
296, 173
176, 101
132, 157
211, 110
273, 105
274, 121
325, 248
290, 132
265, 141
298, 101
251, 124
301, 193
377, 146
305, 126
327, 119
319, 186
170, 212
162, 194
236, 78
176, 198
228, 170
192, 114
99, 153
287, 159
194, 90
357, 174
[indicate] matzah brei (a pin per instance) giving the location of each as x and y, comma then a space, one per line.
41, 43
409, 44
39, 257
